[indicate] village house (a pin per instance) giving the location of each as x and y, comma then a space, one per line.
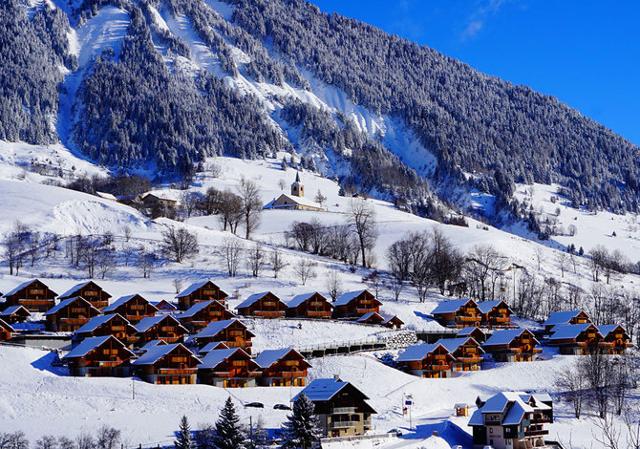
512, 345
577, 339
90, 291
34, 295
157, 204
475, 332
282, 368
512, 420
70, 315
105, 325
149, 345
427, 360
341, 408
616, 338
232, 333
458, 313
167, 364
495, 314
294, 201
202, 313
309, 305
466, 351
264, 305
99, 356
565, 317
200, 291
6, 331
375, 318
15, 314
354, 304
228, 368
164, 306
132, 307
161, 327
214, 345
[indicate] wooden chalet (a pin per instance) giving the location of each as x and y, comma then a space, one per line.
263, 305
167, 364
427, 360
375, 318
165, 306
199, 315
34, 295
458, 313
157, 204
565, 317
577, 339
466, 351
200, 291
355, 304
282, 368
512, 420
161, 327
6, 331
15, 314
105, 325
214, 345
232, 333
512, 345
149, 345
309, 305
228, 368
495, 314
90, 291
341, 408
132, 307
69, 315
99, 356
616, 338
475, 332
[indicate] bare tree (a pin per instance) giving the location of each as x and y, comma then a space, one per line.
256, 260
15, 244
305, 269
47, 442
482, 262
282, 184
278, 262
362, 218
148, 262
231, 251
251, 205
107, 438
562, 261
105, 261
189, 203
230, 210
320, 198
126, 231
179, 244
572, 383
334, 284
85, 441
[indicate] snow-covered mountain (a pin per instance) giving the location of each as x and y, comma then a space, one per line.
158, 85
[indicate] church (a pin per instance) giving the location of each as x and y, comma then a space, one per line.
295, 200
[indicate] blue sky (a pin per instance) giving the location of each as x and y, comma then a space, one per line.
585, 52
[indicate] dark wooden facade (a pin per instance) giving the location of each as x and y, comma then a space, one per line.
495, 314
70, 315
199, 315
90, 291
438, 363
234, 334
314, 305
616, 339
203, 291
112, 324
108, 358
356, 305
15, 314
175, 366
34, 295
132, 307
465, 313
163, 327
467, 353
520, 346
234, 368
289, 369
6, 331
587, 341
267, 305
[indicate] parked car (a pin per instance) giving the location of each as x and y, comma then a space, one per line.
254, 404
281, 407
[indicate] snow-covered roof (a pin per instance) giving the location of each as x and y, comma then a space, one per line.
122, 301
252, 300
369, 315
6, 325
504, 337
217, 356
488, 306
73, 291
19, 287
86, 346
606, 329
294, 199
164, 303
156, 353
13, 309
453, 344
323, 389
513, 405
215, 328
193, 287
152, 344
465, 332
418, 352
106, 196
197, 307
347, 297
149, 321
167, 195
450, 306
561, 332
301, 298
67, 302
563, 317
270, 356
212, 346
96, 322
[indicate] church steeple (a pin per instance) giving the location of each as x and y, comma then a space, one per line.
297, 188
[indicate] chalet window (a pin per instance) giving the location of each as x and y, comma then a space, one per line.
179, 359
291, 363
36, 291
137, 307
90, 293
235, 333
208, 292
239, 363
167, 328
77, 310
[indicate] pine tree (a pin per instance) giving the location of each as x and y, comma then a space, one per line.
184, 440
301, 431
229, 435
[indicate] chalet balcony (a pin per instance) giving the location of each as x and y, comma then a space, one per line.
73, 321
438, 368
476, 359
177, 371
467, 319
343, 410
501, 319
536, 433
235, 374
318, 314
364, 310
343, 424
292, 374
109, 363
36, 302
270, 314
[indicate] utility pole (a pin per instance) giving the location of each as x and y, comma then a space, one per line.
133, 389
